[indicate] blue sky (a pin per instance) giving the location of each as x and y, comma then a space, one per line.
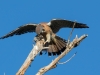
14, 50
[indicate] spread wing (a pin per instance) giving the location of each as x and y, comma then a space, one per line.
56, 24
21, 30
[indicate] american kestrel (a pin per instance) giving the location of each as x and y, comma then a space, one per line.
48, 31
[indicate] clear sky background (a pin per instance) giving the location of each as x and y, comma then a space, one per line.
14, 50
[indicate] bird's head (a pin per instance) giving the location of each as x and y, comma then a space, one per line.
40, 29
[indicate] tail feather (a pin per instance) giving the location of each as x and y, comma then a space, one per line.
54, 49
62, 44
58, 53
50, 50
57, 45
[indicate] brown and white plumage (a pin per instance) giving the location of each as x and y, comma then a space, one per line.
48, 31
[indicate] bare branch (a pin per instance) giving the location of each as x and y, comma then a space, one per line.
36, 49
75, 42
71, 33
68, 59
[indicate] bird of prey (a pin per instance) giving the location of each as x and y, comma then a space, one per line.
48, 32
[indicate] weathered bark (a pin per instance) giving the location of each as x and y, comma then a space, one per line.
36, 49
53, 64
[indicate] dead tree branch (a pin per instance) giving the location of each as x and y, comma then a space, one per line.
67, 60
73, 44
36, 49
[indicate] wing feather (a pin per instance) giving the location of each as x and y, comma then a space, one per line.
56, 24
21, 30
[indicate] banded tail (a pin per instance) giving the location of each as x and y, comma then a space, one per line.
56, 46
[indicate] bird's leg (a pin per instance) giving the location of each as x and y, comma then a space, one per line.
48, 37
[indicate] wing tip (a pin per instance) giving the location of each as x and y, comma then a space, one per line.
2, 37
85, 26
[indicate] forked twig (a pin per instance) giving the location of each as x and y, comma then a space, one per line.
68, 44
71, 32
68, 59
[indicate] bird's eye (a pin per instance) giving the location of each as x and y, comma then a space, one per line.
43, 30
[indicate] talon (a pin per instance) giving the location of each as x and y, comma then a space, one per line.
46, 44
